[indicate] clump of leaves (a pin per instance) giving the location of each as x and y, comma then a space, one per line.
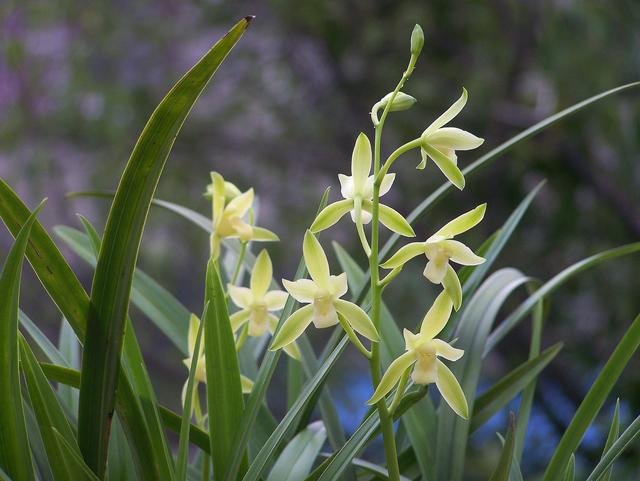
65, 420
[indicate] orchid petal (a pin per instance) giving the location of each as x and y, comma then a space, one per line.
423, 159
238, 319
331, 214
357, 318
246, 384
387, 182
241, 204
446, 165
218, 197
241, 296
263, 235
292, 349
275, 300
293, 327
449, 114
261, 275
436, 317
446, 350
461, 254
462, 223
455, 139
302, 290
452, 287
436, 269
346, 186
339, 285
410, 339
392, 375
360, 163
243, 230
404, 254
393, 220
316, 260
451, 391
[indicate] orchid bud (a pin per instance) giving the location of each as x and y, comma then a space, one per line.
417, 40
402, 101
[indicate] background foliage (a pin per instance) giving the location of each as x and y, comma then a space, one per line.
77, 85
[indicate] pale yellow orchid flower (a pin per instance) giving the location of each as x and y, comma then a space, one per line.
229, 211
201, 370
440, 143
257, 303
357, 190
423, 351
440, 249
322, 295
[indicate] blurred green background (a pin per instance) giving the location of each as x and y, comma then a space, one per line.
79, 80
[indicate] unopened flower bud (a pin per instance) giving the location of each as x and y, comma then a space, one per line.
402, 101
417, 40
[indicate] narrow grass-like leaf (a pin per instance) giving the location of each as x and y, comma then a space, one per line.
187, 410
593, 401
158, 304
43, 342
497, 396
618, 447
69, 347
614, 432
224, 390
478, 316
503, 468
298, 456
15, 455
550, 286
570, 471
310, 388
114, 272
49, 414
81, 472
526, 399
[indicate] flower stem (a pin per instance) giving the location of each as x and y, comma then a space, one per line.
236, 271
386, 419
353, 337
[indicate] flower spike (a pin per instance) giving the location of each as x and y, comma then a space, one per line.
440, 249
322, 295
440, 143
422, 352
357, 191
230, 207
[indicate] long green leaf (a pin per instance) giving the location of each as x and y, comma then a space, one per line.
503, 468
310, 388
81, 472
298, 456
224, 390
15, 455
50, 416
114, 272
478, 316
187, 410
617, 448
507, 388
593, 401
614, 432
550, 286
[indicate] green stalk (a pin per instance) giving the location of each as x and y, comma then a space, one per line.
386, 420
236, 271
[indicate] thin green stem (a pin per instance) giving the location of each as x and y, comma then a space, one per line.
414, 144
238, 267
242, 337
386, 420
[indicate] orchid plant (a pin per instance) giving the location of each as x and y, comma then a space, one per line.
101, 419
